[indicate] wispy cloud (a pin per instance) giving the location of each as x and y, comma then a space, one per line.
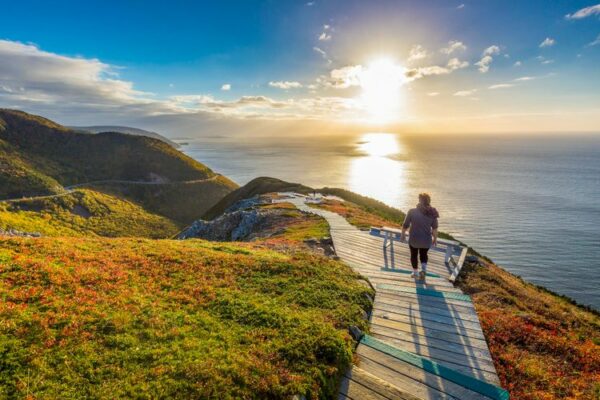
326, 33
584, 12
285, 84
460, 6
595, 42
548, 42
453, 45
311, 3
226, 87
465, 93
417, 52
525, 78
323, 54
487, 58
343, 78
517, 64
433, 94
501, 86
455, 63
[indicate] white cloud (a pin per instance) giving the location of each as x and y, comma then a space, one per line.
433, 94
285, 85
465, 93
33, 77
310, 3
584, 12
326, 34
453, 45
323, 54
487, 59
525, 78
595, 42
420, 72
546, 62
548, 42
517, 64
455, 63
226, 87
343, 78
484, 64
492, 50
417, 52
501, 86
460, 6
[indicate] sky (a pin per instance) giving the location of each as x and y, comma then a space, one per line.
188, 68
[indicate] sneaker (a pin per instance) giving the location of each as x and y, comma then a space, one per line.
414, 273
422, 275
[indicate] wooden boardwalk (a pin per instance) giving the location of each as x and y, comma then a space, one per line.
425, 340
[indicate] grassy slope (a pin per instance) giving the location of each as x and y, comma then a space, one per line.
256, 186
544, 346
38, 157
116, 318
84, 213
72, 157
181, 202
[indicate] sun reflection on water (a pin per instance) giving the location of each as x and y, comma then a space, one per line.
381, 172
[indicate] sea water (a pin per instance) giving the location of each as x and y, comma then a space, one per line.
529, 202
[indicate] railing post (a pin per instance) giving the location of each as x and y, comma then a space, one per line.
449, 251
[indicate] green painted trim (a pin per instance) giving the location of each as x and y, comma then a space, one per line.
469, 382
406, 271
424, 292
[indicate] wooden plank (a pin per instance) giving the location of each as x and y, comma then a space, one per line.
416, 305
355, 390
424, 384
477, 366
447, 374
427, 333
384, 388
430, 300
426, 324
430, 342
396, 311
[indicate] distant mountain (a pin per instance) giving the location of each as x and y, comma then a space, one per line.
124, 129
39, 157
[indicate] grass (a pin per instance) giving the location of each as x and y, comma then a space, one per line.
115, 318
544, 347
84, 213
355, 214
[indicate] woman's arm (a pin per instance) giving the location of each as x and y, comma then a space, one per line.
434, 233
405, 226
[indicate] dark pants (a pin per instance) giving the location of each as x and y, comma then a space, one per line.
420, 253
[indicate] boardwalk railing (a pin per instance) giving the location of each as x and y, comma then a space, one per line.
454, 253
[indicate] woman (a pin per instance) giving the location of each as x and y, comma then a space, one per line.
423, 223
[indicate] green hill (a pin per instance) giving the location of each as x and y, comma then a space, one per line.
256, 186
40, 157
83, 213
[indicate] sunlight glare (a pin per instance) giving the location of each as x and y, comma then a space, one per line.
379, 144
381, 85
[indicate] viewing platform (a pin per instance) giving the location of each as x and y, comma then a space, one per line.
425, 340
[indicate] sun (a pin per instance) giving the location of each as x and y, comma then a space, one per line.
381, 82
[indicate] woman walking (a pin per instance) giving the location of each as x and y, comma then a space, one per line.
422, 223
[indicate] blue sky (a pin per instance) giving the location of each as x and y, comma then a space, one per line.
143, 59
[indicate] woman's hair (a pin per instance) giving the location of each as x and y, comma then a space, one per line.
425, 199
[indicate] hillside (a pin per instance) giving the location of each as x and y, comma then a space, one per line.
255, 187
125, 129
120, 318
83, 213
40, 157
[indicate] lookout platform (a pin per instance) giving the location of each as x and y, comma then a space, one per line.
425, 340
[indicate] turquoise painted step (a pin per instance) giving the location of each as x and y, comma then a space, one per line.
474, 384
406, 271
424, 292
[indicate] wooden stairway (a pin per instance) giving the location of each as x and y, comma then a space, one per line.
425, 339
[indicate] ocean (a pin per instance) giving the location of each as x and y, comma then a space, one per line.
530, 203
